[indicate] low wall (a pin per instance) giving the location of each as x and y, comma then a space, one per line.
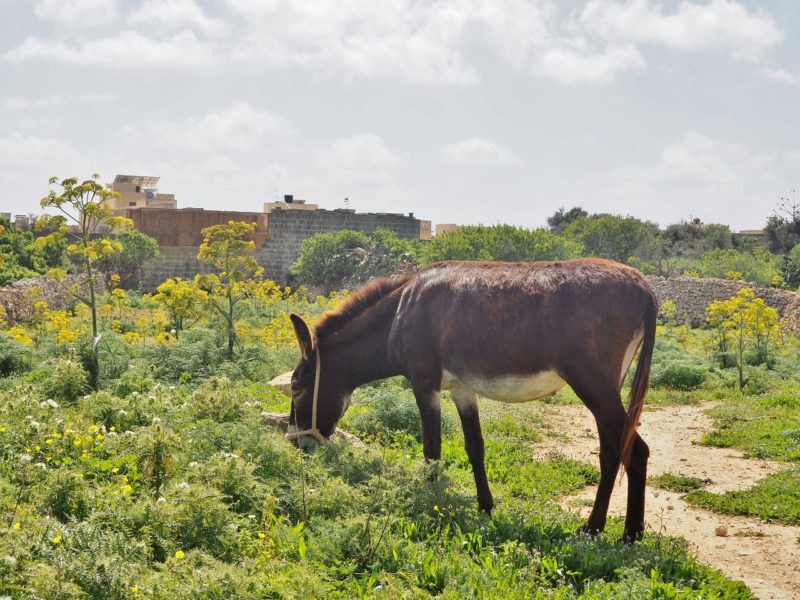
692, 295
172, 261
17, 298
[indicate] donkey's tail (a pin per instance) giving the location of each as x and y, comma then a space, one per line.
640, 381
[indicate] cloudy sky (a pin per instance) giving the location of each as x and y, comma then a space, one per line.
461, 111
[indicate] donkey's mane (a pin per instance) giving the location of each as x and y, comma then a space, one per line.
356, 304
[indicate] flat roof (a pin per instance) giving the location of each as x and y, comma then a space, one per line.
142, 180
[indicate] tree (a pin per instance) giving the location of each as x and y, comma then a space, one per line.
562, 218
137, 249
615, 237
783, 227
237, 271
499, 242
183, 301
86, 205
21, 257
758, 265
742, 323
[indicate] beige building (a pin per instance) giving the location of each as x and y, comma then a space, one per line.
442, 228
140, 191
289, 203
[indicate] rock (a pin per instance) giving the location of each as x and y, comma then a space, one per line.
721, 531
283, 383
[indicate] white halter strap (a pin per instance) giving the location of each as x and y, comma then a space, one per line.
313, 431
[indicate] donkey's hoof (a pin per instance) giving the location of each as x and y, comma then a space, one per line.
630, 537
486, 506
588, 529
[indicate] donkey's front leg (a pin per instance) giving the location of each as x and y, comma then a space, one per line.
431, 414
467, 405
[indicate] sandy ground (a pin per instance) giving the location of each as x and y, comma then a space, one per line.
769, 565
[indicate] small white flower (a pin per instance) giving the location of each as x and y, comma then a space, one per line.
111, 433
49, 402
224, 454
193, 464
128, 432
172, 387
246, 403
251, 516
10, 560
26, 458
135, 395
34, 424
156, 420
122, 412
161, 499
41, 465
182, 486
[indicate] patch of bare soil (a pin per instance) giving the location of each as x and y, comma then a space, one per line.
763, 555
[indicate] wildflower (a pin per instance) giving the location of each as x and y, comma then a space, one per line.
26, 458
57, 540
261, 535
156, 421
193, 464
17, 525
161, 499
10, 561
134, 589
77, 442
182, 485
179, 554
49, 402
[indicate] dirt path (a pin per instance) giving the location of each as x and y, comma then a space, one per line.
767, 563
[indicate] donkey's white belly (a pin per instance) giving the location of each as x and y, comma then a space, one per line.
507, 388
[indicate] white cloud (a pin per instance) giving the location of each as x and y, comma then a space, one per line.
127, 49
412, 41
719, 24
362, 158
782, 75
176, 15
569, 65
19, 103
77, 13
240, 128
478, 151
30, 152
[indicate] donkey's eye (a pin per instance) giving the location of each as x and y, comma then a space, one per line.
295, 385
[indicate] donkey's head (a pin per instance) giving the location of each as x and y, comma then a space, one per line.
319, 396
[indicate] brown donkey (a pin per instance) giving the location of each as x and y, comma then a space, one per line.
508, 331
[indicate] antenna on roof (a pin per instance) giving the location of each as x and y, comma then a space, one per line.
346, 202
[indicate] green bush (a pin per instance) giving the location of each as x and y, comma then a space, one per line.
390, 410
197, 352
12, 356
217, 399
679, 376
67, 381
66, 496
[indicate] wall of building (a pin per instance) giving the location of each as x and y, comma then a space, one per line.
182, 227
278, 236
288, 229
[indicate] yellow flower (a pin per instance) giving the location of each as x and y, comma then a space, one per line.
134, 589
179, 554
16, 526
57, 540
77, 442
261, 535
115, 470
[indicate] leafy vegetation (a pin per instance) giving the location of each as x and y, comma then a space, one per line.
773, 499
164, 482
678, 483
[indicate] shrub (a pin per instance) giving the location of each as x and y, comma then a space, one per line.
66, 496
67, 381
11, 356
385, 410
680, 376
196, 352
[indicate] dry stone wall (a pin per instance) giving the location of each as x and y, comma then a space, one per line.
692, 296
17, 298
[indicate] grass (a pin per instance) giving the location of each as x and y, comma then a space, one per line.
775, 498
178, 492
678, 483
766, 426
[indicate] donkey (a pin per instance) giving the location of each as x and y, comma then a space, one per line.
512, 332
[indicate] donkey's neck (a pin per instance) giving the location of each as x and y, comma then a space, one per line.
359, 351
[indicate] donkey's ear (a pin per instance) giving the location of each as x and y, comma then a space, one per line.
303, 334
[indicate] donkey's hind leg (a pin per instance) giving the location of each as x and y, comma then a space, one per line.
467, 405
637, 478
609, 414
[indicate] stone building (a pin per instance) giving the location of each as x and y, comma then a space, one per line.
140, 191
280, 231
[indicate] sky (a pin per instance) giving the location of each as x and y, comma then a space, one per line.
460, 111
